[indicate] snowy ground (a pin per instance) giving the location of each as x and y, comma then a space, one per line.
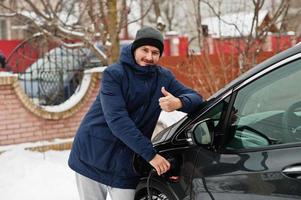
30, 175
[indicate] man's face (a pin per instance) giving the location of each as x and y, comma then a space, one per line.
147, 55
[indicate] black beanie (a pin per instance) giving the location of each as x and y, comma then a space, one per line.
148, 36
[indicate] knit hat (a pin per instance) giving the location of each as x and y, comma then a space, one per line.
148, 36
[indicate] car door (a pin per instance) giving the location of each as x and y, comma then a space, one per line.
257, 140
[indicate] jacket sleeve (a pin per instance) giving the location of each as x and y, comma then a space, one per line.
190, 99
117, 116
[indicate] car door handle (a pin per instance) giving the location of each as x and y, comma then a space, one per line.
293, 172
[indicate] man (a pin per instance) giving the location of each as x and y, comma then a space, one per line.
122, 119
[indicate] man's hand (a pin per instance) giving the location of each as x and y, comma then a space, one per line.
160, 164
169, 102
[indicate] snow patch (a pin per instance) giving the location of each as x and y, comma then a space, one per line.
169, 118
7, 74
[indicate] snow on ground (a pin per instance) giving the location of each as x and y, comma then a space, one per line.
31, 175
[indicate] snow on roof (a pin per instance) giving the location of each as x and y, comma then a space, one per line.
233, 24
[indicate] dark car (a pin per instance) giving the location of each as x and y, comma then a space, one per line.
243, 143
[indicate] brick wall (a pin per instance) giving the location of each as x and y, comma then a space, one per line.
22, 121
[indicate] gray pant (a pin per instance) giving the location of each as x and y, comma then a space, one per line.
91, 190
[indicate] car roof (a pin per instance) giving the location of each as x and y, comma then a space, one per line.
263, 65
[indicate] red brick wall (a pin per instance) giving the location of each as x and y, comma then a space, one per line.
22, 121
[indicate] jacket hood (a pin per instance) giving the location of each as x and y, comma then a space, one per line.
127, 57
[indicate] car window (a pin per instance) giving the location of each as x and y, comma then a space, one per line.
217, 112
214, 119
268, 110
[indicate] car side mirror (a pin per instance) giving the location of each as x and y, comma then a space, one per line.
200, 133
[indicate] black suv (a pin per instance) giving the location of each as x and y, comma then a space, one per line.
243, 143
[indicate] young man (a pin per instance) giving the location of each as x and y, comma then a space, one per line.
122, 119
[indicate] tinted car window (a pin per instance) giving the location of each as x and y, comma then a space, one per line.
269, 109
216, 116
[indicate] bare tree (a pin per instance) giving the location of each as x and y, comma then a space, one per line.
197, 6
208, 73
86, 21
164, 14
257, 34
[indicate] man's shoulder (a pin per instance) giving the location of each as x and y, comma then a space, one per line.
165, 71
115, 69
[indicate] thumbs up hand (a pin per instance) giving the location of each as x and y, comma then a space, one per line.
169, 102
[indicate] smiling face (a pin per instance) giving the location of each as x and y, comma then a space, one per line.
147, 55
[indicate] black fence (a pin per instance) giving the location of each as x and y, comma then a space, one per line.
48, 73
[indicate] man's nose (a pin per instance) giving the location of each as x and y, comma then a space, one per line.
149, 56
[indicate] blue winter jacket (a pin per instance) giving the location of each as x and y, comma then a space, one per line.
122, 119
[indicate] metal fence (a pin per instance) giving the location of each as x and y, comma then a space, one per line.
48, 73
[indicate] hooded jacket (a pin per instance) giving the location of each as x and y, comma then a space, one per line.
122, 119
